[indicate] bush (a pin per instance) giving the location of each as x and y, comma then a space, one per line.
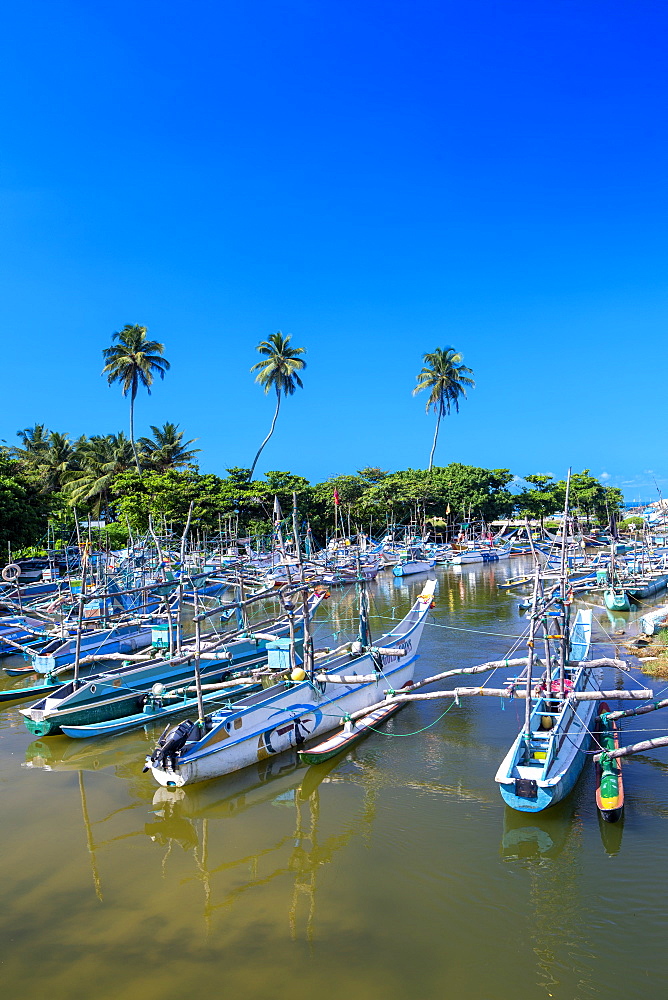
631, 524
115, 535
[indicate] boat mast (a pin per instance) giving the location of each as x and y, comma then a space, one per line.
530, 645
563, 651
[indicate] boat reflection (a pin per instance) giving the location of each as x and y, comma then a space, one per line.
189, 818
537, 835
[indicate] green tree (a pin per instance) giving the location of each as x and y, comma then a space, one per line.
167, 495
167, 449
134, 361
35, 444
60, 462
372, 474
541, 501
24, 509
465, 489
102, 460
446, 379
590, 498
279, 370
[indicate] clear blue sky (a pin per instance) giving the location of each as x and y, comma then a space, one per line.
376, 179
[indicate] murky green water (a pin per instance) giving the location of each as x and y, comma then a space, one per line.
395, 872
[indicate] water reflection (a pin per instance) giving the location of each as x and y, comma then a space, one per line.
537, 835
186, 817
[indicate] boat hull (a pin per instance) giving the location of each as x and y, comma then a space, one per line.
285, 716
548, 795
304, 715
412, 567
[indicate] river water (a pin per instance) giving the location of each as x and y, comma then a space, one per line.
395, 872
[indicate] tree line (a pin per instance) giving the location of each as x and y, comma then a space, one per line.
125, 481
99, 480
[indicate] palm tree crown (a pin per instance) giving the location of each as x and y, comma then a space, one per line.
102, 458
134, 361
446, 378
35, 441
167, 449
278, 370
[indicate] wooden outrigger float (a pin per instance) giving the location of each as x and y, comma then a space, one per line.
609, 781
353, 732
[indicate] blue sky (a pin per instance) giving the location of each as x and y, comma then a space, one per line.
376, 179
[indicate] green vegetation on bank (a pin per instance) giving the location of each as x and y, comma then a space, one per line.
47, 477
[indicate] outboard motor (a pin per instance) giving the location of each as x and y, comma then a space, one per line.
169, 744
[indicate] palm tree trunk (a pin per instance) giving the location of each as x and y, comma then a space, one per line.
433, 447
132, 427
271, 431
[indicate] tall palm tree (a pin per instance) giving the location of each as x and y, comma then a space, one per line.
134, 361
102, 459
35, 441
59, 463
446, 378
167, 449
278, 371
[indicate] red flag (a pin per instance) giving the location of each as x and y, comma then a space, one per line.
336, 498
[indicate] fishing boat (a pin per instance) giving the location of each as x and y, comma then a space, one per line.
116, 639
609, 781
37, 689
548, 755
514, 581
20, 630
159, 706
285, 715
413, 561
114, 694
616, 599
653, 620
633, 590
480, 555
351, 733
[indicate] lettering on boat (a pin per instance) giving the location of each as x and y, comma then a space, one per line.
407, 644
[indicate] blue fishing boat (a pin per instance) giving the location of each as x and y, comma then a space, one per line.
115, 639
549, 753
113, 694
21, 630
413, 561
159, 706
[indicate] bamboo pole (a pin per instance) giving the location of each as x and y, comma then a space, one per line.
198, 676
168, 605
182, 555
641, 710
660, 741
563, 653
639, 694
77, 648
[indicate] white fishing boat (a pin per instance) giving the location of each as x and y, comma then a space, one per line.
289, 713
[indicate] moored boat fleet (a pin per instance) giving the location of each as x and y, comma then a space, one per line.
217, 641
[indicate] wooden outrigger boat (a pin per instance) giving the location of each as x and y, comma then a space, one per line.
549, 753
285, 715
514, 581
609, 781
115, 694
353, 732
159, 707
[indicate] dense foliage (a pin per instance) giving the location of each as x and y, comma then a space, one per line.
49, 477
